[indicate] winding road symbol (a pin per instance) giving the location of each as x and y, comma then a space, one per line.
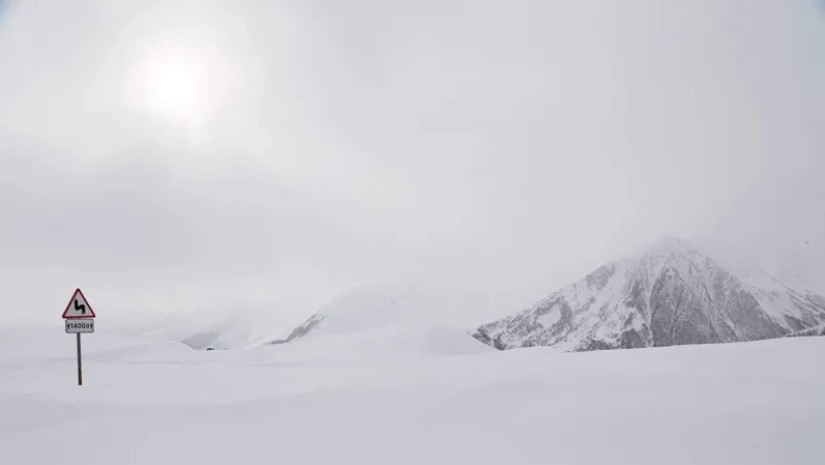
78, 306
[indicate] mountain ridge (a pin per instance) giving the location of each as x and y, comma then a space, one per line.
666, 294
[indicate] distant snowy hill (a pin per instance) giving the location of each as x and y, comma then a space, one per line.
668, 294
198, 330
429, 319
400, 306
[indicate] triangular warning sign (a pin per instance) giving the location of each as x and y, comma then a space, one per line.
78, 307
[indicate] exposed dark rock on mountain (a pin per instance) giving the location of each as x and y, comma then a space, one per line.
669, 294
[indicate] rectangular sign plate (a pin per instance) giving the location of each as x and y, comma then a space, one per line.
80, 325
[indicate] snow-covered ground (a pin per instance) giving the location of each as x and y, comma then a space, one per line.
423, 396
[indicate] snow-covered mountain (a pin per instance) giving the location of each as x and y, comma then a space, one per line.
197, 329
398, 306
667, 294
412, 318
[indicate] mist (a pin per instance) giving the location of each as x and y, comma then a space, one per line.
200, 159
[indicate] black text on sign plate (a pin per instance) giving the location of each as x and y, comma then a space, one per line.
80, 325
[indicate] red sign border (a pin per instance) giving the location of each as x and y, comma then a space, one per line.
69, 305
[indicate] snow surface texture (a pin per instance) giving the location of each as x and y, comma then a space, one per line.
668, 294
349, 399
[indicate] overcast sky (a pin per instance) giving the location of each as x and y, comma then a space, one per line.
250, 156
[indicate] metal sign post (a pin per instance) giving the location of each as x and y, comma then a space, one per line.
79, 363
79, 318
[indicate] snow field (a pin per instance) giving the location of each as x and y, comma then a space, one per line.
433, 396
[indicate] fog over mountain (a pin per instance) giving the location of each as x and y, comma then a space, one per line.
258, 160
779, 227
310, 232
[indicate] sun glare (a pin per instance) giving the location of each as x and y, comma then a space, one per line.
177, 84
173, 90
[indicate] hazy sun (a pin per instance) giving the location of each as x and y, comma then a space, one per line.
176, 83
174, 90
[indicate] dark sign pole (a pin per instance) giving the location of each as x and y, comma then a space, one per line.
79, 363
79, 318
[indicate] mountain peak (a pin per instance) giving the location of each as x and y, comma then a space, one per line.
666, 293
665, 245
669, 242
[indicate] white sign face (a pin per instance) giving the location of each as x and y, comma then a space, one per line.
78, 307
80, 325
